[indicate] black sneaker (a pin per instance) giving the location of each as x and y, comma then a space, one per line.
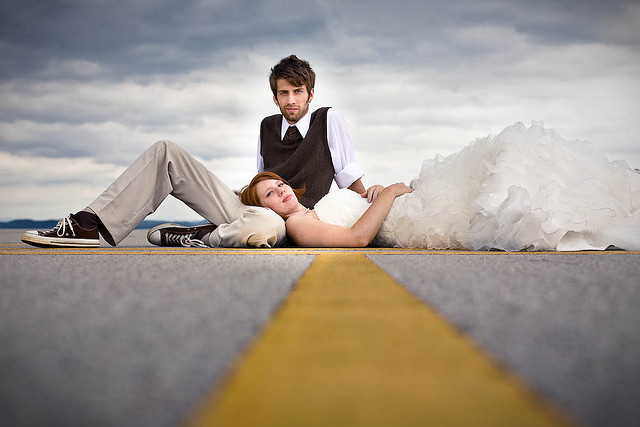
171, 234
66, 234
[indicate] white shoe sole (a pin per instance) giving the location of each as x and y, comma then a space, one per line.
33, 238
158, 227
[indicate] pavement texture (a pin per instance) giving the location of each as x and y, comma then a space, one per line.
140, 336
569, 325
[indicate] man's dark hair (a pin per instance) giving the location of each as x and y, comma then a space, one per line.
294, 70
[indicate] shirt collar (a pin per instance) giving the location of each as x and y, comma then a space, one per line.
302, 125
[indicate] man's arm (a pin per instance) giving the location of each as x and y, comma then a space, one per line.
357, 186
347, 171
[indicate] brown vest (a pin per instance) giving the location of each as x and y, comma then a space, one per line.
307, 163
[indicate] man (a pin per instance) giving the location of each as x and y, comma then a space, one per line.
165, 169
308, 150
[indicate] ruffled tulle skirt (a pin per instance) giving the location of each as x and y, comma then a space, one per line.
524, 189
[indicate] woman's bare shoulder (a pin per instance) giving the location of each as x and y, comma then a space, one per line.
301, 227
302, 219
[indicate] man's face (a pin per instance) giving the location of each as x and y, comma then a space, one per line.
293, 101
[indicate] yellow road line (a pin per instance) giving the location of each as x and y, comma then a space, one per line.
351, 347
26, 250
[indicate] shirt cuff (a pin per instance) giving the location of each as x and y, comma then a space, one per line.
348, 175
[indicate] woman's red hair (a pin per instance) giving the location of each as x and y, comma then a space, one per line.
249, 194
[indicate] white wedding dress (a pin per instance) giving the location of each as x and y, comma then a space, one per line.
524, 189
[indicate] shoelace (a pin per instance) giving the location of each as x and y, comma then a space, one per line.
184, 240
193, 243
61, 227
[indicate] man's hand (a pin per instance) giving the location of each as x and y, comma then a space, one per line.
372, 192
357, 186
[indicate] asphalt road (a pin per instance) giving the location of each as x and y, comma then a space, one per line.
114, 339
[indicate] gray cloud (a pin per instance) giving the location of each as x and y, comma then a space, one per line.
394, 31
172, 36
141, 37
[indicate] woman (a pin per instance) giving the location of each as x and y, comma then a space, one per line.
525, 189
304, 226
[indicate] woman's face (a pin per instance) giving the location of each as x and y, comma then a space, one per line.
277, 196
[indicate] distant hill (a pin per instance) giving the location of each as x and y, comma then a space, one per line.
50, 223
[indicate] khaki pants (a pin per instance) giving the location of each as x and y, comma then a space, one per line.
165, 168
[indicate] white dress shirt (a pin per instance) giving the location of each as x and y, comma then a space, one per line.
346, 169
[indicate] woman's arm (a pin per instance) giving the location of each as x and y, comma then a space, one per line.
309, 232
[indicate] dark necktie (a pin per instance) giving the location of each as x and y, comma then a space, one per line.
293, 136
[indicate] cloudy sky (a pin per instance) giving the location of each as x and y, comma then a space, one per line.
87, 85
